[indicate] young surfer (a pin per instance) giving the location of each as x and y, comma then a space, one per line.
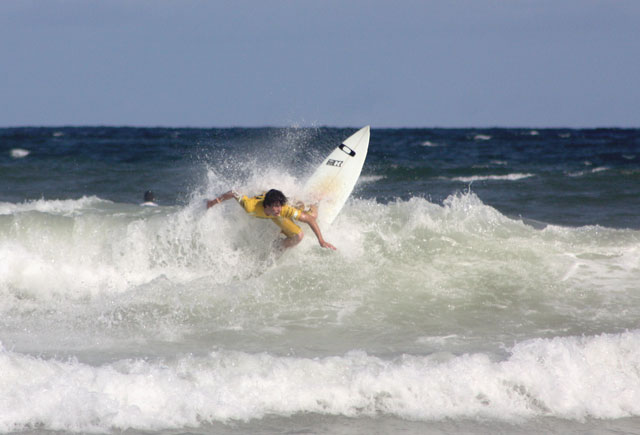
273, 205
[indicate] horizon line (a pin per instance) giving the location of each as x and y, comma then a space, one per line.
176, 127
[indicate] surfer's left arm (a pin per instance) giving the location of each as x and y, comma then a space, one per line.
311, 221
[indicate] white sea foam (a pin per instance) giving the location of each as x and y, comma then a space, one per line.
570, 378
591, 171
428, 143
482, 137
18, 153
508, 177
63, 206
78, 249
370, 178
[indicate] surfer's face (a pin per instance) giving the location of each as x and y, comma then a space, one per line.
273, 210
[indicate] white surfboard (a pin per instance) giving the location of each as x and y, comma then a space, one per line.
332, 183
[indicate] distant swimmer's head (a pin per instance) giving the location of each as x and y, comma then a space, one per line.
273, 202
148, 196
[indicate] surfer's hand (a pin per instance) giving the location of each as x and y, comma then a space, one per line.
327, 245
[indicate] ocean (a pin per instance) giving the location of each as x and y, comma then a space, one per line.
486, 281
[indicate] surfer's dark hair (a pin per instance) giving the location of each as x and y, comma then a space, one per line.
274, 197
148, 196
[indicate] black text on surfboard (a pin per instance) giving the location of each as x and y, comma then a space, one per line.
337, 163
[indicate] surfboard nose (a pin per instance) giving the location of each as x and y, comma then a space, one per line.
366, 132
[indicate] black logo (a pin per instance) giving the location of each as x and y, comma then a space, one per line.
336, 163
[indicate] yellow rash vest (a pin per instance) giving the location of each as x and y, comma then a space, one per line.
255, 207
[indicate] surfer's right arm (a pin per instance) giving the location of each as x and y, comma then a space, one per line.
227, 195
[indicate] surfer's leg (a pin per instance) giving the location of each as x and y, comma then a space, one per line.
293, 232
292, 241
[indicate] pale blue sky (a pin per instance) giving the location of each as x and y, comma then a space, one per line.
396, 63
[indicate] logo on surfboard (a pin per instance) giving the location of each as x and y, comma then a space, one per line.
336, 163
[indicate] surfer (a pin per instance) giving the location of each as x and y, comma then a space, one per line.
273, 205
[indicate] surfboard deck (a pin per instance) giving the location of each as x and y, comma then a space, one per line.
333, 181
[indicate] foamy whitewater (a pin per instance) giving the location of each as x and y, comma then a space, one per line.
435, 315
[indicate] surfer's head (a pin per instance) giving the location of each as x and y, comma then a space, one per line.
148, 196
273, 202
274, 197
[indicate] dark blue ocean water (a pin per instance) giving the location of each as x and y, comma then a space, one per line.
561, 176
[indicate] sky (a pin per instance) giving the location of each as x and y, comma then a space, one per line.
346, 63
